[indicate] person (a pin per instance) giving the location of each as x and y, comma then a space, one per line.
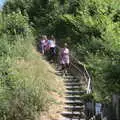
42, 43
52, 48
64, 58
45, 44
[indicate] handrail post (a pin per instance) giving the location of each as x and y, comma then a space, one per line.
89, 87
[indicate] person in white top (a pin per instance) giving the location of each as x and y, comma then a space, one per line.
52, 48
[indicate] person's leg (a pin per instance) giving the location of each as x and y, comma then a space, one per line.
67, 66
50, 58
63, 69
42, 49
53, 54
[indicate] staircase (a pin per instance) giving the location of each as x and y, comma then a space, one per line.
74, 106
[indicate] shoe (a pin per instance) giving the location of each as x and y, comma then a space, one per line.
66, 72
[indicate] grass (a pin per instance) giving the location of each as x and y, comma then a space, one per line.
39, 81
30, 85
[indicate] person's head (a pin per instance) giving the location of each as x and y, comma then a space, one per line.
65, 45
44, 37
52, 37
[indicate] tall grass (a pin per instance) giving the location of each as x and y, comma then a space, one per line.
24, 84
22, 91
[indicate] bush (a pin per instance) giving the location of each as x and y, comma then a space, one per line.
20, 100
4, 46
22, 97
16, 23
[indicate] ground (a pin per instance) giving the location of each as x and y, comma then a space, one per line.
35, 68
54, 111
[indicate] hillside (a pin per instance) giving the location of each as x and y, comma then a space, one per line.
39, 73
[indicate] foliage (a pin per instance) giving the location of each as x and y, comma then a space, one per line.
22, 96
16, 23
91, 27
95, 39
20, 99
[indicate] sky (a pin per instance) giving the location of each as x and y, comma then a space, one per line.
1, 3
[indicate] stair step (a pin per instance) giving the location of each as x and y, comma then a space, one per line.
73, 84
74, 102
80, 101
75, 108
72, 81
68, 74
71, 114
73, 88
59, 73
70, 77
64, 118
74, 115
73, 97
75, 92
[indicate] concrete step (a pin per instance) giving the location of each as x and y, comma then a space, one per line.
68, 74
73, 97
59, 73
73, 115
64, 118
75, 108
74, 102
73, 88
70, 77
72, 81
75, 92
72, 84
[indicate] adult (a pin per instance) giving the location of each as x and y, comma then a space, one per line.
52, 48
42, 44
45, 44
64, 58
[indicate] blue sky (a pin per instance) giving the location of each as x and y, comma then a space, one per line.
1, 2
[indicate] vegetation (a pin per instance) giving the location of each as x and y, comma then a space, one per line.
25, 87
91, 28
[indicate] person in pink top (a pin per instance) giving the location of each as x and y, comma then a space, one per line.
64, 58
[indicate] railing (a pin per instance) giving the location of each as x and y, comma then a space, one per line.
85, 73
82, 69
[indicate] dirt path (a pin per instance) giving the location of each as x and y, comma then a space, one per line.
57, 104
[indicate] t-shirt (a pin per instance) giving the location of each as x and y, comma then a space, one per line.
42, 42
51, 43
65, 53
64, 58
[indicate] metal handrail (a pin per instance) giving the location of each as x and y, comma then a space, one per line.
85, 72
86, 75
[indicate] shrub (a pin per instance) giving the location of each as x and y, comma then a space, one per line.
16, 23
